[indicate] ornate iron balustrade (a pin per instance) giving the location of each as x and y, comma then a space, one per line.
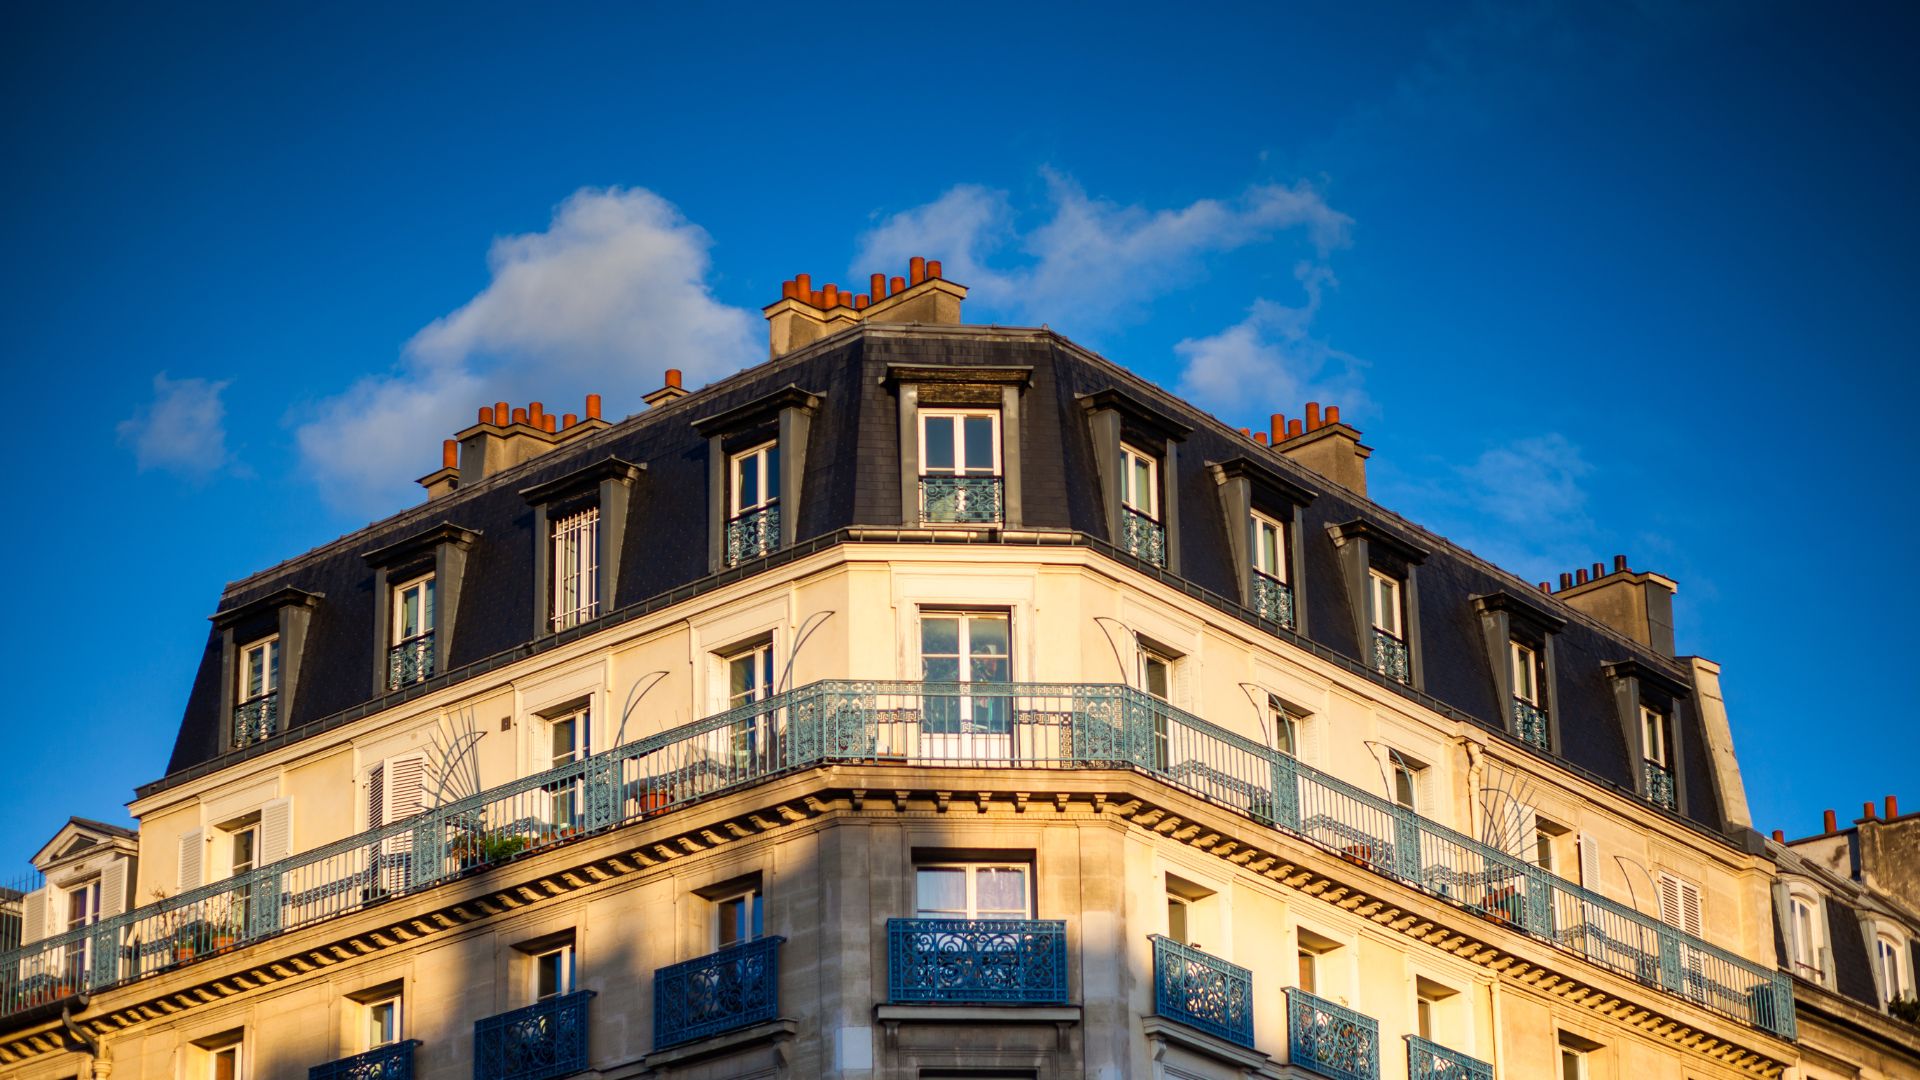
1660, 789
1390, 657
1330, 1039
544, 1040
977, 961
391, 1062
975, 725
256, 720
753, 534
410, 662
1202, 991
737, 987
1142, 537
1428, 1060
1530, 723
1273, 599
963, 500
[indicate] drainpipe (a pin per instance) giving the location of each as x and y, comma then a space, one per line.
99, 1067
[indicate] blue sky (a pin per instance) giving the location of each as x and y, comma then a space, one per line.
1592, 279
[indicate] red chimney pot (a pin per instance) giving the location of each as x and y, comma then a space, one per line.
547, 423
569, 420
916, 269
1779, 837
1260, 437
1599, 571
486, 414
860, 302
832, 295
817, 298
1866, 811
786, 290
1831, 823
450, 454
1277, 424
1246, 433
1619, 564
500, 413
933, 268
1580, 577
1566, 581
1893, 808
593, 406
1546, 587
1313, 416
1293, 428
673, 373
1333, 414
877, 286
895, 284
802, 286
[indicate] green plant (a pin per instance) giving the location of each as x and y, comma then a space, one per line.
1906, 1008
498, 847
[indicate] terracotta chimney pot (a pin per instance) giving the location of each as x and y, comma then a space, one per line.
1566, 581
933, 268
1580, 577
1546, 587
1779, 837
787, 290
569, 420
1866, 811
519, 416
860, 302
817, 299
450, 459
1619, 564
802, 286
1333, 414
831, 296
896, 284
548, 422
1260, 437
673, 373
500, 413
1313, 416
1831, 823
593, 406
486, 414
1293, 429
877, 286
1277, 426
917, 269
1599, 571
1893, 808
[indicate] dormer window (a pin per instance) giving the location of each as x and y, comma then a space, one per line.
1386, 601
1272, 596
1141, 533
753, 518
960, 477
1890, 964
1528, 675
256, 712
411, 657
1656, 751
579, 529
576, 568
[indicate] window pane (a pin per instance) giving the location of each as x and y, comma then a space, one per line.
1157, 677
1285, 734
547, 975
939, 448
1177, 919
940, 635
987, 636
942, 890
940, 669
1142, 485
1001, 891
426, 604
772, 457
1269, 549
1306, 980
740, 679
733, 920
979, 434
747, 480
1403, 785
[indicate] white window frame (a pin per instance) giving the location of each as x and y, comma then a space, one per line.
1890, 965
568, 798
1130, 496
1415, 772
1654, 733
1525, 668
1580, 1059
959, 417
268, 648
1276, 567
576, 569
1292, 721
760, 658
973, 870
1389, 599
369, 1010
1168, 663
568, 974
751, 906
764, 461
424, 587
230, 1050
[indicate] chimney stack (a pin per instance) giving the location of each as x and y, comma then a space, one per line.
1324, 444
670, 392
803, 316
503, 437
1635, 603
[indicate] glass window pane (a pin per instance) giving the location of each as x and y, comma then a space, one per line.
979, 433
772, 457
991, 669
1142, 485
941, 890
939, 444
1001, 891
746, 480
987, 636
547, 975
426, 605
940, 669
1157, 677
940, 635
740, 678
1270, 549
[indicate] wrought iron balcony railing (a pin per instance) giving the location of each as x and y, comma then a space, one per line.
1202, 991
960, 500
753, 534
256, 720
1427, 1060
737, 987
920, 724
1142, 537
977, 961
1330, 1039
1660, 791
391, 1062
544, 1040
1390, 657
1530, 723
410, 662
1273, 599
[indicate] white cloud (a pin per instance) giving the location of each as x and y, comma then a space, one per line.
183, 430
1521, 505
1090, 260
611, 294
1531, 484
1271, 361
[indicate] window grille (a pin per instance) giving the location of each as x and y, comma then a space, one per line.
576, 569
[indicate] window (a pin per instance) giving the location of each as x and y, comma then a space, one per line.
553, 972
1889, 962
1177, 918
83, 909
1386, 604
1573, 1064
1387, 599
753, 523
259, 669
1653, 731
737, 919
220, 1057
1803, 936
1657, 770
749, 679
972, 891
1289, 726
569, 739
1139, 482
576, 568
1680, 904
411, 656
971, 649
960, 465
1526, 673
1309, 974
1407, 777
383, 1021
1156, 674
1269, 548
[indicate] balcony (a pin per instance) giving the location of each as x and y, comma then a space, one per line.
1330, 1039
410, 662
977, 961
1390, 657
960, 500
1530, 723
1202, 991
1431, 1061
1273, 599
391, 1062
753, 534
1142, 537
256, 720
544, 1040
1659, 785
734, 988
1022, 726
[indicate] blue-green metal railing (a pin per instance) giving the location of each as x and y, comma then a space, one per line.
737, 987
1530, 723
977, 961
753, 534
1660, 790
1273, 599
410, 662
964, 500
1330, 1039
1428, 1060
544, 1040
393, 1061
256, 720
1142, 537
1202, 991
1390, 657
977, 725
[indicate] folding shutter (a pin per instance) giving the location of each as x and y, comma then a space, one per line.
33, 916
1680, 904
113, 888
1589, 862
1691, 917
405, 787
193, 851
1669, 895
276, 830
1424, 799
1308, 729
376, 797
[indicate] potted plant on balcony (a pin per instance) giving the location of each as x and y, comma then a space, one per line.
190, 938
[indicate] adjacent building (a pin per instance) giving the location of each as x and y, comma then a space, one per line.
931, 700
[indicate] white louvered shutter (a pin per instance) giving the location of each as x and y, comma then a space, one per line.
276, 830
1309, 730
33, 916
1526, 822
405, 787
1589, 852
193, 857
1425, 799
113, 888
1680, 904
376, 797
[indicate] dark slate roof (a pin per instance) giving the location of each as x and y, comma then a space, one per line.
852, 479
